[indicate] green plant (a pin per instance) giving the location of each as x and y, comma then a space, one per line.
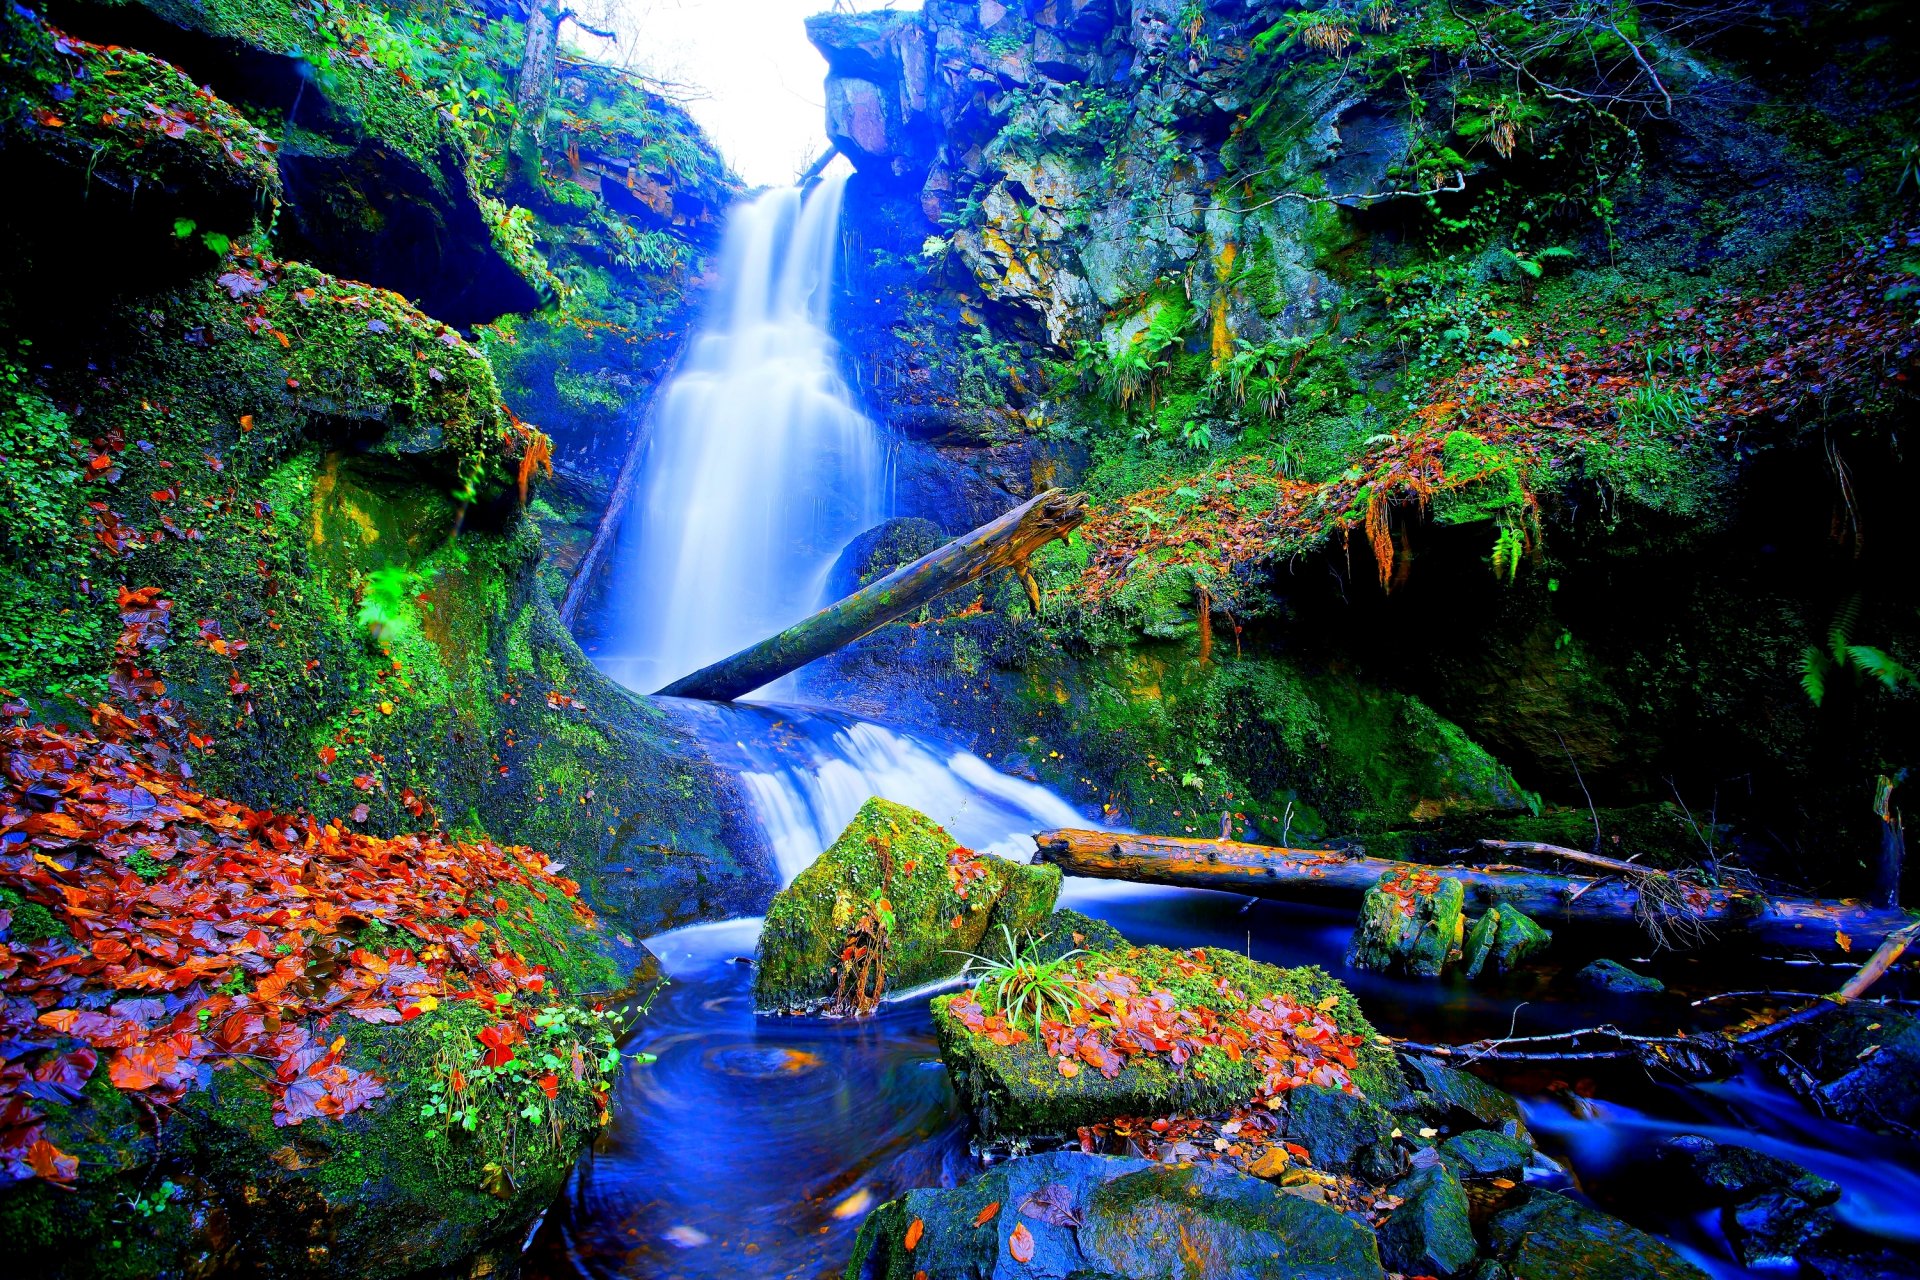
1820, 668
1022, 987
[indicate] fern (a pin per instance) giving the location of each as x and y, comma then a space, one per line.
1814, 666
1879, 664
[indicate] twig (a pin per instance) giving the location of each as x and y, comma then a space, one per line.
1598, 839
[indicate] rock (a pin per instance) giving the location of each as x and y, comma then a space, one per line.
1430, 1233
1066, 929
943, 901
1410, 923
1342, 1131
1016, 1091
1616, 979
1550, 1237
1086, 1215
878, 551
1864, 1060
1504, 938
1840, 1257
1455, 1099
1482, 1153
1772, 1210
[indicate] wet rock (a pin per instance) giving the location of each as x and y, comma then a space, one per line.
1550, 1237
896, 870
874, 554
1502, 940
1410, 922
1864, 1064
1067, 930
1430, 1233
1016, 1091
1616, 979
1457, 1100
1342, 1131
1066, 1213
1771, 1209
1482, 1153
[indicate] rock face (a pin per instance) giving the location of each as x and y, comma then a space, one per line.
1070, 1214
892, 872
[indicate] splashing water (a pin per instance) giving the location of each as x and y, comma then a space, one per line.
809, 771
761, 467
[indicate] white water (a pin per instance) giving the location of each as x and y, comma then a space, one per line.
760, 470
761, 466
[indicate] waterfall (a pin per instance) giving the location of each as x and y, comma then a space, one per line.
761, 466
760, 470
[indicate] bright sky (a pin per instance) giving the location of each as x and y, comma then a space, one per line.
760, 80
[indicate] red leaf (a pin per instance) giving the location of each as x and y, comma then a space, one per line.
1020, 1244
986, 1215
915, 1230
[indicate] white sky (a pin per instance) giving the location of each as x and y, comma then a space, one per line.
761, 80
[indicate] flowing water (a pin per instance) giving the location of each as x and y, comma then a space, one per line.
753, 1146
760, 467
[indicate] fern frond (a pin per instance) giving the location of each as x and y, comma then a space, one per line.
1879, 664
1840, 634
1813, 673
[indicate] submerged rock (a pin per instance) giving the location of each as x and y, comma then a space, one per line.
1550, 1237
1502, 940
1072, 1214
1772, 1210
1410, 922
892, 874
1615, 978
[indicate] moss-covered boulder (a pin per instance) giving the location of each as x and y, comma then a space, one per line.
1430, 1234
1411, 923
1550, 1237
1614, 978
1501, 941
893, 904
1452, 1099
1071, 1214
1160, 1032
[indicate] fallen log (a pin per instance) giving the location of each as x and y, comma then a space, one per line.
1003, 543
1776, 924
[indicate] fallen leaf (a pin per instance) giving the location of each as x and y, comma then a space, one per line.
1020, 1244
985, 1216
915, 1230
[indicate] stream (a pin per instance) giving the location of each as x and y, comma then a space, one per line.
755, 1146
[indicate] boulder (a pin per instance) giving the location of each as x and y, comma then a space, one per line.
1772, 1210
877, 552
1502, 940
1072, 1214
1484, 1154
1019, 1089
896, 868
1454, 1099
1430, 1233
1410, 922
1343, 1131
1551, 1237
1616, 979
1860, 1063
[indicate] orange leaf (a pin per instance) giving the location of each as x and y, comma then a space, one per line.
915, 1230
1842, 941
986, 1215
51, 1163
1020, 1244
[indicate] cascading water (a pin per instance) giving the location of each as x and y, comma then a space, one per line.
761, 466
760, 470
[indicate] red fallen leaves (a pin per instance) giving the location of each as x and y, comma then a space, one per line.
1408, 886
915, 1230
243, 940
986, 1215
1117, 1020
1757, 357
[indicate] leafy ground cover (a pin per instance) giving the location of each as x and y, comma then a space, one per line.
164, 934
1637, 412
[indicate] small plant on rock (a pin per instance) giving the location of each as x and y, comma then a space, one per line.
1023, 988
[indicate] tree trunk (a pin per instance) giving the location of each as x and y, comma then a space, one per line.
1780, 924
534, 85
1893, 846
1004, 543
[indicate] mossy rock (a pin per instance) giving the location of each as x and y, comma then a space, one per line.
1069, 930
893, 854
1453, 1099
1484, 1154
1411, 923
1616, 979
1550, 1237
1343, 1131
1502, 940
1088, 1215
1430, 1234
1016, 1092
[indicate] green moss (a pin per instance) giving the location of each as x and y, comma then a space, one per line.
1410, 922
32, 922
1016, 1092
891, 853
